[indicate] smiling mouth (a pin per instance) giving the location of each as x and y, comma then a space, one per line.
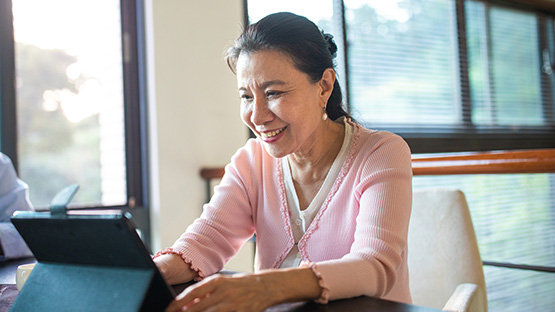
271, 134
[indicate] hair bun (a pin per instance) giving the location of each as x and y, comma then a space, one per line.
332, 47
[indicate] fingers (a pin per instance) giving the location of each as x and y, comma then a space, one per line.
193, 305
198, 297
222, 293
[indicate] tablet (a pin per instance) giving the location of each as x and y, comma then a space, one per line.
89, 246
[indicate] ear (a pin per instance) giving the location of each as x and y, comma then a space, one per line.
326, 84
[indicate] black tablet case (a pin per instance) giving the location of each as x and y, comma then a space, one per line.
88, 263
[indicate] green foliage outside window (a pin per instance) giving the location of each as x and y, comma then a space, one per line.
53, 151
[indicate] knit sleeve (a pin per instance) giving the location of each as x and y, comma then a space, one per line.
226, 222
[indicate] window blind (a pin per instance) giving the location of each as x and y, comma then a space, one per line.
505, 66
403, 63
452, 76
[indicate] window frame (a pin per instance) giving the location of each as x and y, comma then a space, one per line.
7, 83
466, 136
135, 107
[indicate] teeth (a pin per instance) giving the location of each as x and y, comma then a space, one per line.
272, 133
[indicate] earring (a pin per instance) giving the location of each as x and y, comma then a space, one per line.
325, 115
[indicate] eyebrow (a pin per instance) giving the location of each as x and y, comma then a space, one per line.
267, 84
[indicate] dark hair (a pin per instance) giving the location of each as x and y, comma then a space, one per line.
311, 50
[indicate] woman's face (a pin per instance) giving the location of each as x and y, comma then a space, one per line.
279, 103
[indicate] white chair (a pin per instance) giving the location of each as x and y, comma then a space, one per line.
444, 261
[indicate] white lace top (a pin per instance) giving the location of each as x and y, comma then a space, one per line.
301, 219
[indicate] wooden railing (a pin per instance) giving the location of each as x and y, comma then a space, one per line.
498, 162
208, 174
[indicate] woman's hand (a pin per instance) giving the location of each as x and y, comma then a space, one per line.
174, 269
225, 293
248, 292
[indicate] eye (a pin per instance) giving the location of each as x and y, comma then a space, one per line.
273, 94
246, 98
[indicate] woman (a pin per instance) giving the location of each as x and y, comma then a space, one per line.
328, 200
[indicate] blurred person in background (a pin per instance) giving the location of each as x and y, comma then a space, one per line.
14, 196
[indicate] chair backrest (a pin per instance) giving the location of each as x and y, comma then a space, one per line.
443, 251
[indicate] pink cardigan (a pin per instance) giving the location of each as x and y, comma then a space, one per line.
357, 243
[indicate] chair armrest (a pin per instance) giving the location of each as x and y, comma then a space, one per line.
466, 298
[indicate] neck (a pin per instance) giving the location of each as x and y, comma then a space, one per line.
312, 165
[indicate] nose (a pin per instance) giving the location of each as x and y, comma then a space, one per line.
261, 113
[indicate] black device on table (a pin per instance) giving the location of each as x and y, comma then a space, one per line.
88, 262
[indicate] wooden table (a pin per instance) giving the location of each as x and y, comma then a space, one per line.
8, 294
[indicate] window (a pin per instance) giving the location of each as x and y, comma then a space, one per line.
402, 63
75, 111
500, 41
70, 121
455, 76
435, 71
